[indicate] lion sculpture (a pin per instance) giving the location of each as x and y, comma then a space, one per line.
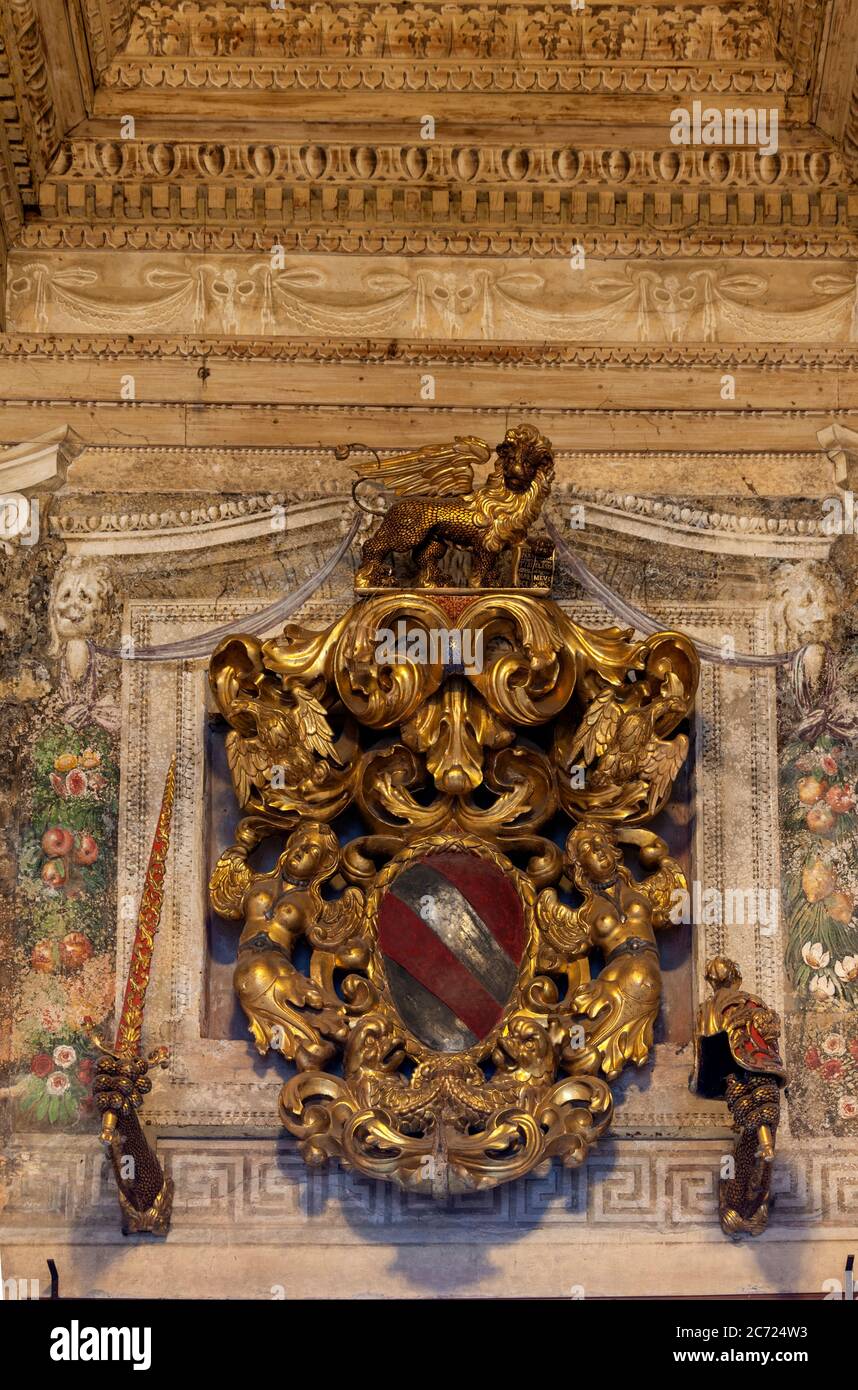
440, 507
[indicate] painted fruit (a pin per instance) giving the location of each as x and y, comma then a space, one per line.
821, 820
811, 789
65, 762
818, 881
57, 842
840, 906
89, 758
76, 782
87, 850
75, 948
54, 873
43, 957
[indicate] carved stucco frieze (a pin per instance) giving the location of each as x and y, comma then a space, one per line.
430, 298
438, 46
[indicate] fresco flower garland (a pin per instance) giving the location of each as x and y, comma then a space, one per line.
820, 835
65, 941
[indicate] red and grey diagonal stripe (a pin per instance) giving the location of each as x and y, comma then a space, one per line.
451, 928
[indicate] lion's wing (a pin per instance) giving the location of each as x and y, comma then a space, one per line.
438, 470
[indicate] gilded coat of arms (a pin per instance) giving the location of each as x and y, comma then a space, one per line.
460, 839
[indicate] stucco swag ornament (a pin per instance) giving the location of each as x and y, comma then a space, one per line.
421, 950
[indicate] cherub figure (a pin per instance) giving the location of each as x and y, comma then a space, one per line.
279, 908
618, 916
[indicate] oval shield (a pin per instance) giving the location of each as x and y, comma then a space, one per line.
451, 932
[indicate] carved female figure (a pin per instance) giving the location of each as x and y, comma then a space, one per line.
618, 917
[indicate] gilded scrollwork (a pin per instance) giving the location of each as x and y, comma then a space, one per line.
446, 1031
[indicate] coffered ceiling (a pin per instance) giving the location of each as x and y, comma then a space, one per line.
452, 156
382, 125
337, 122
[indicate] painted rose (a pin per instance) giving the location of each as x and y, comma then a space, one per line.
828, 763
75, 948
42, 1064
44, 957
812, 1059
57, 1083
847, 1107
86, 1071
805, 763
847, 970
840, 799
833, 1046
832, 1070
64, 1056
821, 819
814, 954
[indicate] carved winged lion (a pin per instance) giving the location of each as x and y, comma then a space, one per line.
440, 507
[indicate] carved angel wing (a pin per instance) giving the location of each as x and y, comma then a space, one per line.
597, 729
662, 888
562, 925
438, 470
338, 922
661, 762
315, 731
668, 880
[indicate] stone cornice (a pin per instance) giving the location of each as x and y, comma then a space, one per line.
39, 464
772, 357
322, 498
442, 162
383, 195
660, 225
691, 527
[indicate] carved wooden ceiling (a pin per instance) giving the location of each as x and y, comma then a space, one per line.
454, 151
249, 120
